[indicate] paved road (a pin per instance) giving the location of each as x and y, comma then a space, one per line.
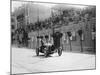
26, 61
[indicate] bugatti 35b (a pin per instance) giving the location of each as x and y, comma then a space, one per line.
48, 48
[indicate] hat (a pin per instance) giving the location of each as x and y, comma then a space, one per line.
38, 37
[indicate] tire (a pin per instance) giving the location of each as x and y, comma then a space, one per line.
45, 53
60, 51
37, 51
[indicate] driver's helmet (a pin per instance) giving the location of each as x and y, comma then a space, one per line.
38, 37
46, 36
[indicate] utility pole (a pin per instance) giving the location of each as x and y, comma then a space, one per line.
38, 25
52, 14
38, 19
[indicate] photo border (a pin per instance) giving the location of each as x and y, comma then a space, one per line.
46, 71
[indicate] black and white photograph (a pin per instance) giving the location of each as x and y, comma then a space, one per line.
52, 37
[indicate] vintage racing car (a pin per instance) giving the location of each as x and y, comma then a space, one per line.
48, 48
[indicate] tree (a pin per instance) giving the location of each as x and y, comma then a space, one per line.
80, 32
69, 35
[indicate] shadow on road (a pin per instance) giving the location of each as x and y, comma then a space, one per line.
42, 56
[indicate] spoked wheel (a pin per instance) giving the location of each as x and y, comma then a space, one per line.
60, 51
37, 51
45, 53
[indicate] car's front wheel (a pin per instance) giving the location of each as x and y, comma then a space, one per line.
45, 53
60, 51
37, 51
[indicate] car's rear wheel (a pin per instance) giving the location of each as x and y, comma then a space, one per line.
37, 51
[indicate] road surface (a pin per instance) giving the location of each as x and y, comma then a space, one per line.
26, 61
